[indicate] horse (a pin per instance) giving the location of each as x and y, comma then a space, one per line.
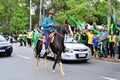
57, 47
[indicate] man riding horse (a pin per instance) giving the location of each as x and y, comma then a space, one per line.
57, 46
49, 26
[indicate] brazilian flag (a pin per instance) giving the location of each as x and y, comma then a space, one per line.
101, 47
112, 24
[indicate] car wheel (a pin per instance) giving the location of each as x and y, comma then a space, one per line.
9, 54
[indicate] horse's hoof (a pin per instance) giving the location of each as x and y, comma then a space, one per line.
37, 69
46, 67
53, 71
63, 74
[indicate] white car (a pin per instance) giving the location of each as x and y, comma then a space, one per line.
77, 51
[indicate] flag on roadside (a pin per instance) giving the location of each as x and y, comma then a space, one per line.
112, 24
101, 47
79, 23
72, 20
24, 38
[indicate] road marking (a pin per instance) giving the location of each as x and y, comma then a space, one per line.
108, 78
23, 57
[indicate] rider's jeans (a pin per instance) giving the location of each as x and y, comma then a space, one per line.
47, 33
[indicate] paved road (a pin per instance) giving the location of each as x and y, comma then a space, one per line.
21, 66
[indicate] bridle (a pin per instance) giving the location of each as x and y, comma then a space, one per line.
61, 34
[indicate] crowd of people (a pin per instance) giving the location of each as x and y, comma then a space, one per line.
103, 43
25, 38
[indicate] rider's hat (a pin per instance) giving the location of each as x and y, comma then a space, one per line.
51, 12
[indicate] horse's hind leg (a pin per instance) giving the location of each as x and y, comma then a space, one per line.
37, 59
45, 60
55, 63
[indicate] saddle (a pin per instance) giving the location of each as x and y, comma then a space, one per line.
51, 37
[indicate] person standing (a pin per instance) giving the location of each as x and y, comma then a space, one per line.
90, 40
95, 45
104, 39
29, 38
24, 38
116, 50
20, 39
112, 40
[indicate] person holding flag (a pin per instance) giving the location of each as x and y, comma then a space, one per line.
104, 39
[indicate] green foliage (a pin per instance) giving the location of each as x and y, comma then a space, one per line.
14, 15
82, 10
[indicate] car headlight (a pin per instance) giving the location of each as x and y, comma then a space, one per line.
9, 46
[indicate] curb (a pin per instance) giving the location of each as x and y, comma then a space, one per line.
107, 59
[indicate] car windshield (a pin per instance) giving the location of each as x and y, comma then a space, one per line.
69, 40
2, 39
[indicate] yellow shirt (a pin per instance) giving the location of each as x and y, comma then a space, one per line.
112, 38
20, 36
90, 38
30, 35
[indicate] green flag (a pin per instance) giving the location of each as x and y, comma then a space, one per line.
98, 32
73, 20
24, 38
101, 47
81, 24
35, 37
112, 24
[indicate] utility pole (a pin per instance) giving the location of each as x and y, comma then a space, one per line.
40, 13
109, 13
30, 15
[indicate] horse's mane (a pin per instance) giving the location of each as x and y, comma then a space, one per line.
58, 27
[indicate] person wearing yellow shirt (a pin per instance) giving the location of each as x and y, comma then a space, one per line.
20, 39
90, 40
29, 38
112, 40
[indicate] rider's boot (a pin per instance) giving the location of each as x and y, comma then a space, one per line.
66, 50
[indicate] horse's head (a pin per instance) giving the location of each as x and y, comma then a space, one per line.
67, 29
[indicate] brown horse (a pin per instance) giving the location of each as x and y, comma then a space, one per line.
57, 47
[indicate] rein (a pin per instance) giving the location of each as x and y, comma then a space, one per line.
58, 33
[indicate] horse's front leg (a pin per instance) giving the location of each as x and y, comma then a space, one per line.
37, 65
45, 60
61, 69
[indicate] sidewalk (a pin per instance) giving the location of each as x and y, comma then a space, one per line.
109, 59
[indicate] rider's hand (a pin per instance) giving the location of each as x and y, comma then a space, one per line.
52, 24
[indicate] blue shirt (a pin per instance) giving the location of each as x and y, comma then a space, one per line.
95, 42
104, 35
46, 24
